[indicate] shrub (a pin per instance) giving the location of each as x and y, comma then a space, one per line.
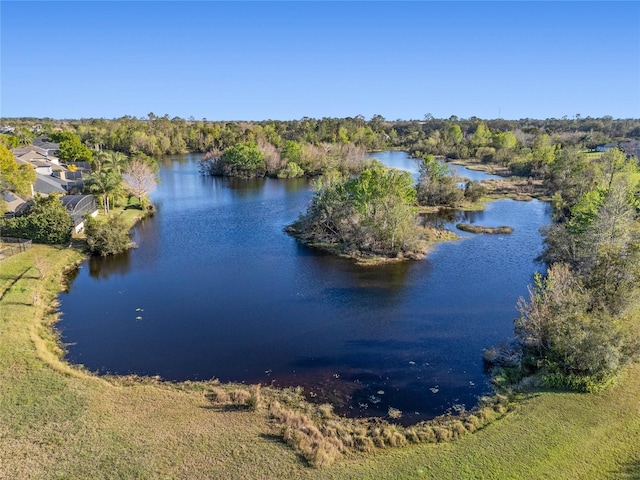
218, 395
45, 221
255, 398
442, 434
239, 397
292, 170
474, 191
457, 429
326, 410
107, 238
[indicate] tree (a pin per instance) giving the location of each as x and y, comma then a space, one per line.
562, 336
292, 151
24, 136
139, 180
243, 160
110, 160
372, 213
384, 199
107, 238
481, 137
73, 150
104, 183
435, 184
46, 220
13, 177
9, 141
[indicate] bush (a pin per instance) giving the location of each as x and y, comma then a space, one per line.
292, 170
107, 238
45, 221
474, 191
240, 397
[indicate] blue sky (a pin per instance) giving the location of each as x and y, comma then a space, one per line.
287, 60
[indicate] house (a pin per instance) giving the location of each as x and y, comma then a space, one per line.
606, 147
12, 203
47, 184
631, 148
79, 207
39, 162
52, 177
43, 143
33, 151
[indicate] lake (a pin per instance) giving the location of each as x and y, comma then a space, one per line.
217, 289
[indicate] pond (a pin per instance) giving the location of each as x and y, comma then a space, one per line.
217, 289
402, 161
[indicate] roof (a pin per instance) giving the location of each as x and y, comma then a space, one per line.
79, 206
12, 201
72, 201
44, 143
18, 151
86, 166
48, 184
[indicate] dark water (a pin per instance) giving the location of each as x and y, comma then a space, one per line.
217, 289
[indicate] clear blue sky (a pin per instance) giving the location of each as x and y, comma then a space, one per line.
287, 60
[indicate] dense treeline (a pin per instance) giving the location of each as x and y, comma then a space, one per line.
312, 146
155, 135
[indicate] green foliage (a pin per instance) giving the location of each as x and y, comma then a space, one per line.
45, 221
292, 151
73, 150
474, 191
107, 238
105, 183
481, 137
578, 383
9, 141
243, 160
24, 136
436, 186
505, 140
562, 333
14, 177
372, 213
292, 170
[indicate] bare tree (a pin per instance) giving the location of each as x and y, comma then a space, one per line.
41, 265
139, 179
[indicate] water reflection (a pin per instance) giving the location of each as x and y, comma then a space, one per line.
449, 217
101, 268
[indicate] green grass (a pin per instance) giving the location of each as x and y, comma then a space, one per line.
57, 421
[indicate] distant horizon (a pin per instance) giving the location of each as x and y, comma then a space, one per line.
192, 119
281, 61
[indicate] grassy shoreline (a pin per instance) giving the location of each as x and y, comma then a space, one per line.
58, 421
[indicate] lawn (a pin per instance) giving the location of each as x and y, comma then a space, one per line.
58, 421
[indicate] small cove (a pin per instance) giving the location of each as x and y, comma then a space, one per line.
217, 289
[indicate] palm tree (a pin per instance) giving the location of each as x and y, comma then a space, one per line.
105, 183
115, 161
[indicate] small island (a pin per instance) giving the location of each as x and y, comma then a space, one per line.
466, 227
370, 218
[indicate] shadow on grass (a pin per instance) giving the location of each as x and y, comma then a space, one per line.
272, 438
227, 408
28, 304
630, 471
